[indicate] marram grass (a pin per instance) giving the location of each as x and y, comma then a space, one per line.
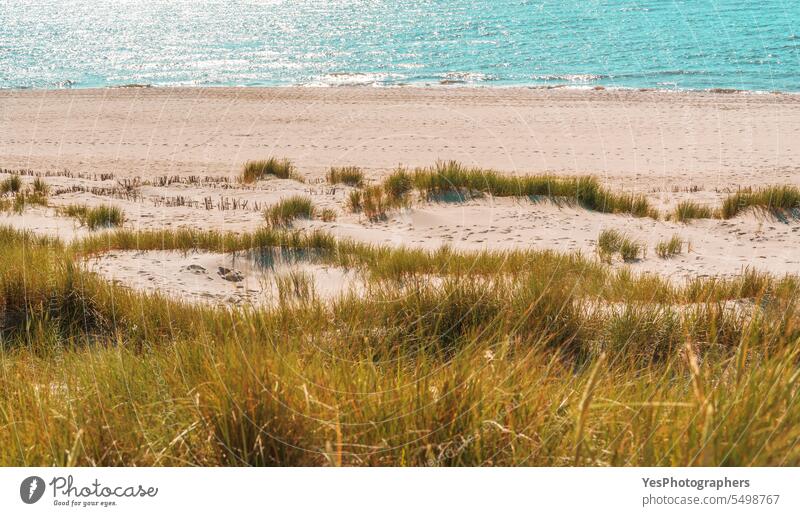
351, 176
285, 211
612, 242
451, 179
777, 200
451, 176
687, 210
95, 217
12, 184
257, 170
669, 248
514, 358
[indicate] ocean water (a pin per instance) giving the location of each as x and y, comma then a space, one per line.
666, 44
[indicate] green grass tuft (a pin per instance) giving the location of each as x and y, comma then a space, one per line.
355, 201
287, 210
611, 242
397, 185
259, 169
774, 199
97, 217
669, 248
374, 202
350, 176
12, 184
40, 187
687, 210
328, 215
24, 199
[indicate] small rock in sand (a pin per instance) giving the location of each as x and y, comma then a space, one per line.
195, 269
229, 274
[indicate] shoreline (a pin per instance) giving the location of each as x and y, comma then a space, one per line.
445, 84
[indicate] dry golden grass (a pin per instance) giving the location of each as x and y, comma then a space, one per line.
512, 358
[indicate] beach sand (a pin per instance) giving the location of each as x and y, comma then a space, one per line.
637, 139
669, 146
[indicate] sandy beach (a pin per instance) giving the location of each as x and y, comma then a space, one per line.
637, 139
400, 234
669, 146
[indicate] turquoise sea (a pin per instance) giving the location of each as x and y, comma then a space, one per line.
667, 44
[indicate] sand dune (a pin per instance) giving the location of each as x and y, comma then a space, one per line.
672, 147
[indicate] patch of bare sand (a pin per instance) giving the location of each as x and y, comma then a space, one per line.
712, 247
224, 279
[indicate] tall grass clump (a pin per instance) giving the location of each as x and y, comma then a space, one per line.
328, 215
687, 210
289, 209
29, 198
36, 194
95, 217
451, 176
397, 185
350, 176
12, 184
259, 169
611, 242
374, 202
294, 286
40, 187
355, 201
669, 248
773, 199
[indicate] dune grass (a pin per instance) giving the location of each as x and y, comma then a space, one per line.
257, 170
509, 359
596, 281
40, 187
350, 176
28, 198
375, 201
398, 184
95, 217
612, 242
11, 184
669, 248
287, 210
585, 191
36, 195
355, 201
773, 199
687, 210
328, 215
451, 177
